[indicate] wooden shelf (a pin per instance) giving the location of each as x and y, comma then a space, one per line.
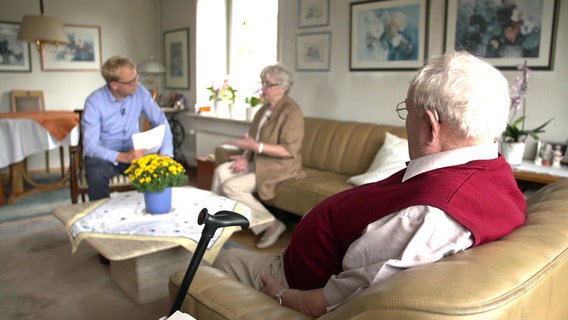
530, 172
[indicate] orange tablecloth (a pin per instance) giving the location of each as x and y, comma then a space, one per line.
58, 123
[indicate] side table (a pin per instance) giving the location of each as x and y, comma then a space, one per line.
205, 169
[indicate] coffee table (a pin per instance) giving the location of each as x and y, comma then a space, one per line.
141, 268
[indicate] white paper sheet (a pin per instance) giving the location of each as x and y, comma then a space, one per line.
150, 140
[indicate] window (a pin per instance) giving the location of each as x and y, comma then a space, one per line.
251, 46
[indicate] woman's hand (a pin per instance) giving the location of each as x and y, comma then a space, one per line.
240, 164
245, 142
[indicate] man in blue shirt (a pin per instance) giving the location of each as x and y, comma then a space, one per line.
110, 117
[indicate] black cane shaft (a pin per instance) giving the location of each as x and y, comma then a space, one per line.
190, 273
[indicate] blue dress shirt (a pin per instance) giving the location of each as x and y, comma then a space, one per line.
108, 125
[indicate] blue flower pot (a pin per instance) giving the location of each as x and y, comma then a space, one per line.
158, 202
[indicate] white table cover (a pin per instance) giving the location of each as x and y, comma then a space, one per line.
20, 138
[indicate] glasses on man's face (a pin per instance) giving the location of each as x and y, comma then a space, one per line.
401, 110
267, 85
131, 82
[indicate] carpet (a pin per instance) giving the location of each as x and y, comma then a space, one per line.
41, 279
36, 205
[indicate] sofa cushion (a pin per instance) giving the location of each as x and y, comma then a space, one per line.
392, 157
344, 147
299, 196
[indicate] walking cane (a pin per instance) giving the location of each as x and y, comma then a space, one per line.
212, 223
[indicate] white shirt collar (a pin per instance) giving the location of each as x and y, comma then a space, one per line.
450, 158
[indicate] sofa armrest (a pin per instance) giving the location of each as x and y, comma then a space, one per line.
222, 154
215, 295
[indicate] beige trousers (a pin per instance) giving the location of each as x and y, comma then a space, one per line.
246, 266
239, 187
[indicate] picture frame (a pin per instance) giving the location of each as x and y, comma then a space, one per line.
551, 153
82, 53
313, 51
510, 42
176, 53
313, 13
14, 54
388, 35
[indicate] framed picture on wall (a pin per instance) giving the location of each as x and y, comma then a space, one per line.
313, 51
313, 13
14, 54
388, 35
176, 53
82, 53
505, 33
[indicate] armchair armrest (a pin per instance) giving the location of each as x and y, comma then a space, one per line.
222, 154
215, 295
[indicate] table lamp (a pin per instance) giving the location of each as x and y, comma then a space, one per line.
151, 68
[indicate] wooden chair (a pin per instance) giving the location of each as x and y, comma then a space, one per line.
33, 100
78, 180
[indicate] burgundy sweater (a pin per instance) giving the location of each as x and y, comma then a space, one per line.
481, 195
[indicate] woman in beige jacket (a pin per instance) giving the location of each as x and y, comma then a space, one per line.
272, 151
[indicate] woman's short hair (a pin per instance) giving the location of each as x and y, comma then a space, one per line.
279, 73
110, 68
469, 94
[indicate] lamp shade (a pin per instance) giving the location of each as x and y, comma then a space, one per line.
151, 67
42, 29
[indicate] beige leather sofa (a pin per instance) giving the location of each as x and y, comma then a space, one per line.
332, 152
522, 276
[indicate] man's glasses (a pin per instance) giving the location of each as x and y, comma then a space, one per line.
129, 83
401, 110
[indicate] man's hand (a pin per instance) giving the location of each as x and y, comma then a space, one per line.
310, 302
240, 164
128, 157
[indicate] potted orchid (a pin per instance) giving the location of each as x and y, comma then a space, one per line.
223, 97
515, 131
515, 134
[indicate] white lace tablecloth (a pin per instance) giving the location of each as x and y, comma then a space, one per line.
123, 216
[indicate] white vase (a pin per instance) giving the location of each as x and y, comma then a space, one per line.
513, 152
251, 111
222, 109
238, 111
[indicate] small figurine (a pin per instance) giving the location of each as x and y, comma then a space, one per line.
556, 156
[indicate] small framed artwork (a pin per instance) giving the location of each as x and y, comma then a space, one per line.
505, 33
82, 53
551, 154
314, 13
14, 54
176, 53
388, 35
313, 51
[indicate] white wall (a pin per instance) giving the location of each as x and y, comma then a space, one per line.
372, 96
135, 28
128, 27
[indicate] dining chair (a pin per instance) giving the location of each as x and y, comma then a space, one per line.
77, 178
33, 100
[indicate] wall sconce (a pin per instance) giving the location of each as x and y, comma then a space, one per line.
151, 68
42, 30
